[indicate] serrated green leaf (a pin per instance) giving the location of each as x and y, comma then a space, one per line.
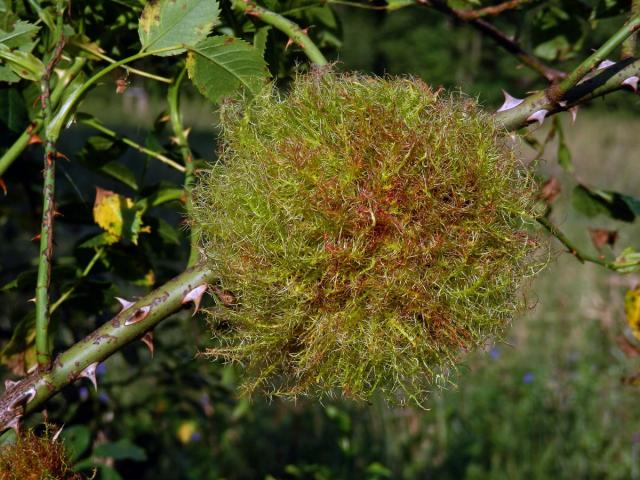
13, 112
121, 450
121, 173
21, 37
24, 64
168, 23
260, 39
628, 261
160, 195
219, 66
591, 202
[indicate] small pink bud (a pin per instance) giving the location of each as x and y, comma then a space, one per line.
509, 102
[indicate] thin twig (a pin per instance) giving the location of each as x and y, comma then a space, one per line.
492, 10
569, 93
598, 56
296, 34
16, 149
127, 326
43, 354
96, 124
63, 298
180, 135
141, 73
571, 248
510, 45
629, 45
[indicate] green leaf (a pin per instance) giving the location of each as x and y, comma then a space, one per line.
20, 37
120, 172
219, 66
160, 195
628, 261
398, 4
121, 450
593, 202
564, 157
168, 23
100, 154
260, 39
24, 64
13, 112
76, 440
167, 232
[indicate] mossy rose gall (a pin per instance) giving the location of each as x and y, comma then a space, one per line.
370, 230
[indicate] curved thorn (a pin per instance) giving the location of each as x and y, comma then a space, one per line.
537, 116
631, 82
15, 423
605, 64
29, 394
90, 373
57, 434
9, 384
147, 339
574, 113
124, 302
139, 315
509, 102
195, 296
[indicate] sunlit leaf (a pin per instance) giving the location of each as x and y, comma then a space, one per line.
168, 23
219, 66
24, 64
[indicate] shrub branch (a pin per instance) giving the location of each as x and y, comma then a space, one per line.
81, 359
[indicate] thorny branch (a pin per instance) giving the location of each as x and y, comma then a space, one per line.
296, 34
510, 45
492, 10
135, 321
43, 355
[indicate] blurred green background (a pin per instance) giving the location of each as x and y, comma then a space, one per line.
552, 399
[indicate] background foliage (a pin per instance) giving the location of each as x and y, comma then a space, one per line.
556, 400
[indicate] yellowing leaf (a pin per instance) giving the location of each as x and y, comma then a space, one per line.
186, 431
632, 310
118, 216
179, 23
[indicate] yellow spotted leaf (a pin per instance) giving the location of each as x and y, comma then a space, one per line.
186, 431
118, 216
632, 310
